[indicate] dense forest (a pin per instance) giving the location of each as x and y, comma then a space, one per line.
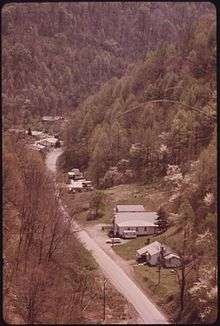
137, 82
55, 55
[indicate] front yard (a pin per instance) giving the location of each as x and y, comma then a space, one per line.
164, 294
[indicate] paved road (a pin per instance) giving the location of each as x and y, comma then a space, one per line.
148, 312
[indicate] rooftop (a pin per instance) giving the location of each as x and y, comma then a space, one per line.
130, 208
154, 248
132, 218
172, 255
136, 223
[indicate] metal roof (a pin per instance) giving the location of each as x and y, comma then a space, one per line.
135, 223
152, 248
130, 208
171, 256
155, 247
130, 217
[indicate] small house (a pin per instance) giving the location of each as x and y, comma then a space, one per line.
154, 251
49, 142
150, 253
75, 174
48, 118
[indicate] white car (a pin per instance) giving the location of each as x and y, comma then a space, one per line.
113, 240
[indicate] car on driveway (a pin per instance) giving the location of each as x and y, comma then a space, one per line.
113, 240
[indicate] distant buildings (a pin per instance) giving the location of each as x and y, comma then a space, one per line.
49, 142
48, 118
78, 182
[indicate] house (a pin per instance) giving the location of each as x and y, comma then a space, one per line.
37, 147
150, 253
153, 251
49, 142
76, 186
129, 208
75, 174
38, 134
48, 118
142, 223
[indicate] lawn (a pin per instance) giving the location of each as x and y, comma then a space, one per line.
164, 294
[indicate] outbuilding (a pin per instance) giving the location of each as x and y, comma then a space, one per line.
172, 260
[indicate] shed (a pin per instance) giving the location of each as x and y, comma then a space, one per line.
172, 260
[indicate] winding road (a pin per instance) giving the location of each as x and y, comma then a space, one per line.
147, 311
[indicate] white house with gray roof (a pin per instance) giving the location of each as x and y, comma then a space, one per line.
153, 251
143, 223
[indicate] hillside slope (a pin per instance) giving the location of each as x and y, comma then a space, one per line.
56, 54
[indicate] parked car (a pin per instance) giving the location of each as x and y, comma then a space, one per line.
113, 240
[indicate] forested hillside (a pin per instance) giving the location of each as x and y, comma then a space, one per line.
165, 106
158, 123
55, 55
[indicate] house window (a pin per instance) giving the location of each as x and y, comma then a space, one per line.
145, 228
128, 229
136, 229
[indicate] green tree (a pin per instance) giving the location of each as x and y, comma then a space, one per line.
162, 219
96, 203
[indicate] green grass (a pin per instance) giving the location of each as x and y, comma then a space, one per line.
164, 294
148, 277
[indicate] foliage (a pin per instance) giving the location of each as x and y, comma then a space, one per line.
39, 249
96, 204
162, 220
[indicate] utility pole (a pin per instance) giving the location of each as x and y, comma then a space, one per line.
113, 230
104, 299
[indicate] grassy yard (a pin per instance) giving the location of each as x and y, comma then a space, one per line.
164, 294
